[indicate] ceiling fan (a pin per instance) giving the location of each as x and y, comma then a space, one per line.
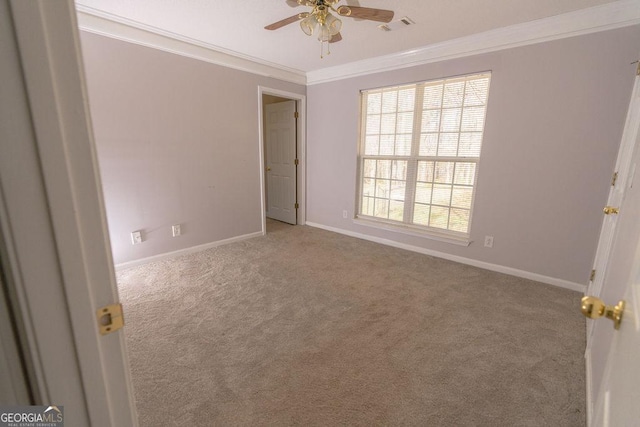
328, 26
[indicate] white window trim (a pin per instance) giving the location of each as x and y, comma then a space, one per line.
413, 230
432, 233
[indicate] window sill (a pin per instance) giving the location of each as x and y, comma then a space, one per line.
411, 231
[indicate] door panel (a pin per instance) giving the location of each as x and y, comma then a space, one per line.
56, 253
617, 402
281, 155
617, 192
613, 355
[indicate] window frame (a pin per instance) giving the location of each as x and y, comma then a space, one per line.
407, 224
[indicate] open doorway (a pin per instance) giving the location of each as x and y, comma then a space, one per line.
282, 154
281, 158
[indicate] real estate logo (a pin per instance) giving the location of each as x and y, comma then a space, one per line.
31, 416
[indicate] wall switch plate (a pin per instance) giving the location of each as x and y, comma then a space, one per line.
345, 214
175, 230
136, 237
488, 241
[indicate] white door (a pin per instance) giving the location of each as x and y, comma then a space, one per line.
616, 194
612, 356
618, 401
55, 250
280, 132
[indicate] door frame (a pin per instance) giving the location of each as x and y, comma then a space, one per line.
55, 249
301, 132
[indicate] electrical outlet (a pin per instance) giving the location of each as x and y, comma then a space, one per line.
136, 237
345, 214
488, 241
175, 230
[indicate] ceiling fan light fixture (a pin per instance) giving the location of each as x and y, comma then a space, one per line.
333, 24
328, 26
323, 34
309, 24
320, 19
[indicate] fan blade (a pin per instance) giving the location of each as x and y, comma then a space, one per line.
282, 23
371, 14
293, 3
335, 38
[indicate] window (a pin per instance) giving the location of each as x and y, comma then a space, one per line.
419, 151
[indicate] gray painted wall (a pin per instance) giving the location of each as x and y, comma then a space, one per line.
555, 117
178, 143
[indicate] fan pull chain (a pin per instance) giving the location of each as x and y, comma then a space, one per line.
322, 49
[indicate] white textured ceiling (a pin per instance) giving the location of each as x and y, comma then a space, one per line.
238, 25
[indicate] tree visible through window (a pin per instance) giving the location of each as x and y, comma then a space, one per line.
419, 151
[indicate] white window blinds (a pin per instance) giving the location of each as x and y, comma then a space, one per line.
419, 151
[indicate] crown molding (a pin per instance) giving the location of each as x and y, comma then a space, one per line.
98, 22
617, 14
609, 16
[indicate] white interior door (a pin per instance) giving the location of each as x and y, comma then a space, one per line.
280, 129
54, 249
618, 401
616, 194
612, 356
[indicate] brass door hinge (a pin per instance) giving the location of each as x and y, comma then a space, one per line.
638, 70
295, 115
297, 206
611, 210
592, 276
110, 318
614, 179
296, 162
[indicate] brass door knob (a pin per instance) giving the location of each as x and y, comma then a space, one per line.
595, 308
268, 169
608, 210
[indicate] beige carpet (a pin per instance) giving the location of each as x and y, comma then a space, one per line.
311, 328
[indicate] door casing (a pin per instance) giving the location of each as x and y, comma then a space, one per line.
301, 105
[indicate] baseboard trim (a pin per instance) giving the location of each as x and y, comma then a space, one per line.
480, 264
186, 251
